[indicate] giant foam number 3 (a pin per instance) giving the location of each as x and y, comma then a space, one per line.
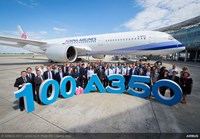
94, 84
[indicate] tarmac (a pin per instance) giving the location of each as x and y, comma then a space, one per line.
95, 112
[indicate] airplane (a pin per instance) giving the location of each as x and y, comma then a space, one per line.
98, 46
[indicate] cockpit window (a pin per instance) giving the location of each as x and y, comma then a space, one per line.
170, 37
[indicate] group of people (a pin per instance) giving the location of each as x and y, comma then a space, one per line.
82, 73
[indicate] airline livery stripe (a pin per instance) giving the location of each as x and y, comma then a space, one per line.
153, 46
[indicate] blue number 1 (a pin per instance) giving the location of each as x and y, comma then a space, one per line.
27, 93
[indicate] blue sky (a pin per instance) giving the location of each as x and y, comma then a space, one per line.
66, 17
46, 19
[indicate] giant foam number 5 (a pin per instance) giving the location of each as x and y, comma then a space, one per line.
139, 82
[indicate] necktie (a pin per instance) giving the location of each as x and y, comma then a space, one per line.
108, 72
49, 75
115, 70
126, 71
25, 80
30, 76
41, 78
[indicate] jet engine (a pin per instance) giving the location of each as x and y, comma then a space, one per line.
61, 53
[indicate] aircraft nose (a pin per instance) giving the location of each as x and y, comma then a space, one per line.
180, 45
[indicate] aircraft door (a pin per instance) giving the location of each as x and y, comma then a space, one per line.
152, 38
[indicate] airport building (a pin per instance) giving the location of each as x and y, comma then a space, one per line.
188, 33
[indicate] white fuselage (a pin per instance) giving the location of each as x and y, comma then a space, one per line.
138, 42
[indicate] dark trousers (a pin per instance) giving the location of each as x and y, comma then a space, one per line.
77, 83
162, 90
171, 92
107, 82
37, 94
67, 86
83, 82
103, 82
127, 78
21, 103
33, 89
49, 90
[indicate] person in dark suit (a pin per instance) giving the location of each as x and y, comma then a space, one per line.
101, 75
83, 76
59, 75
165, 76
31, 76
65, 68
141, 72
38, 81
19, 83
75, 75
49, 74
186, 83
174, 78
133, 70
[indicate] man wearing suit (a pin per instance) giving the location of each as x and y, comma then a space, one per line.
38, 81
31, 76
19, 83
65, 68
141, 72
174, 78
83, 76
75, 75
101, 75
49, 75
126, 74
116, 70
108, 71
133, 70
59, 75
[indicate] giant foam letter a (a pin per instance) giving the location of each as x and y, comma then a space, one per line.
91, 87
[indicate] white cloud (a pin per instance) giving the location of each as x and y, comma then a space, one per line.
27, 3
160, 13
56, 29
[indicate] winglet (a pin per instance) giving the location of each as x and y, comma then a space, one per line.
23, 34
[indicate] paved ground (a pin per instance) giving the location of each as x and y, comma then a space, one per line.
95, 112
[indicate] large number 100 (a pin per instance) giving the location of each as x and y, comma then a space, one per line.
94, 84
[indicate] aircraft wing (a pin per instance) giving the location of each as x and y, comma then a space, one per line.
17, 42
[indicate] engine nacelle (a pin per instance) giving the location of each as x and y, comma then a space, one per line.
99, 56
62, 53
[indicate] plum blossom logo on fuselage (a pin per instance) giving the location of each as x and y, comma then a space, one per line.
24, 36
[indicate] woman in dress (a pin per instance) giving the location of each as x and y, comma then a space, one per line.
186, 86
